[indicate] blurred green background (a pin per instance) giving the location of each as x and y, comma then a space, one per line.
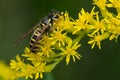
18, 16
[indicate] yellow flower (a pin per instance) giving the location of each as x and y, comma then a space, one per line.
96, 40
114, 3
115, 33
23, 70
45, 46
16, 64
112, 21
32, 57
39, 69
27, 71
68, 22
98, 26
100, 3
58, 37
70, 50
84, 19
45, 50
6, 73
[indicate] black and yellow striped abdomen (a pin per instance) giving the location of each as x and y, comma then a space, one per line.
41, 29
33, 42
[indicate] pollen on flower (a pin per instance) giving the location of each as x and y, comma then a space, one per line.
58, 37
112, 21
70, 50
27, 71
67, 23
98, 26
81, 22
100, 3
45, 50
45, 47
114, 3
39, 69
84, 18
16, 64
115, 33
95, 40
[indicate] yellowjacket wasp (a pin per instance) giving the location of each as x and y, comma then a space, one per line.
40, 29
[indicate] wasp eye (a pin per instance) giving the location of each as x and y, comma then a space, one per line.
55, 17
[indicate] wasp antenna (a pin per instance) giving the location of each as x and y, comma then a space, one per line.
54, 10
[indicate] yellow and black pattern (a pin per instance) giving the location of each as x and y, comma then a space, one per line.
43, 27
34, 37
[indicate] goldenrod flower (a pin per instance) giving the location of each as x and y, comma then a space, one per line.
67, 22
70, 50
98, 26
112, 21
16, 64
95, 40
45, 49
6, 73
115, 33
58, 37
84, 18
65, 36
114, 3
39, 69
100, 3
27, 70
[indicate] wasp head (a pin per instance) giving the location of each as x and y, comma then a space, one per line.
55, 15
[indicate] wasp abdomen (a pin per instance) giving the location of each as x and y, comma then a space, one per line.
34, 40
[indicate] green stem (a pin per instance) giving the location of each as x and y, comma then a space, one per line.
50, 67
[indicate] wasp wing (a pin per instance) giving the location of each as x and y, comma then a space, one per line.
24, 35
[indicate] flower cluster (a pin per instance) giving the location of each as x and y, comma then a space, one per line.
61, 43
6, 73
